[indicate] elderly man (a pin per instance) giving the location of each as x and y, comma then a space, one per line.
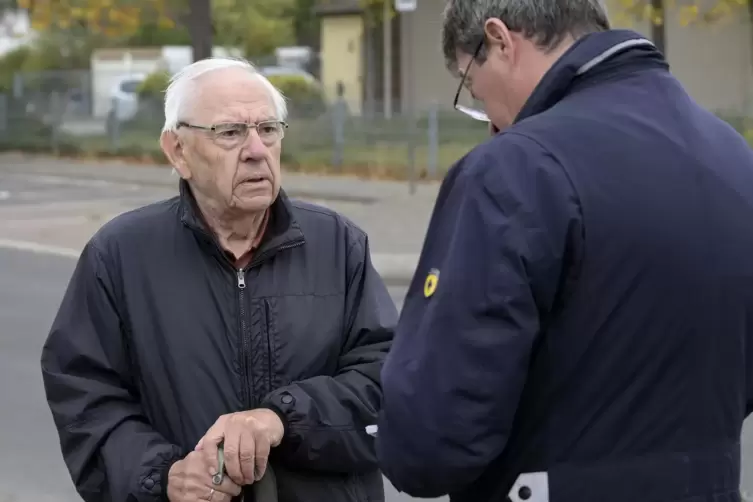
229, 314
581, 323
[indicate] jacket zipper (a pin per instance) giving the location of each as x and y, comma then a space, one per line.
245, 342
250, 399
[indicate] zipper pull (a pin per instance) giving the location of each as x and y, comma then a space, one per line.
241, 279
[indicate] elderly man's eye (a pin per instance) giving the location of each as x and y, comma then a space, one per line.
230, 132
268, 128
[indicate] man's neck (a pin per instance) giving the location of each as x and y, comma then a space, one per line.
238, 234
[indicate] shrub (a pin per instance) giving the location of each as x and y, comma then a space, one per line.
154, 85
305, 98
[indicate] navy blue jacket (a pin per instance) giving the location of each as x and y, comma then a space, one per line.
583, 304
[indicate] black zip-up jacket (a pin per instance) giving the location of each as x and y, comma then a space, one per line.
158, 335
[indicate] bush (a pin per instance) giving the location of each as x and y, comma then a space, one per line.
154, 85
11, 63
305, 99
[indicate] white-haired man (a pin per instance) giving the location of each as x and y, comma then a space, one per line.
227, 315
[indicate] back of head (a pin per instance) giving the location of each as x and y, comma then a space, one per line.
183, 88
546, 22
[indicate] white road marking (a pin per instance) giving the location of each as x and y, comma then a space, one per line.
35, 247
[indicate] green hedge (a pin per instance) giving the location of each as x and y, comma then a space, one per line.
305, 99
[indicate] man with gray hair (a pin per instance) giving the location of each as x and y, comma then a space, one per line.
228, 325
580, 327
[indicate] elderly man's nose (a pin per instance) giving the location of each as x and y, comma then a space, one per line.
254, 147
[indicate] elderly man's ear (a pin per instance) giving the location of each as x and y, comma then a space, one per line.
172, 146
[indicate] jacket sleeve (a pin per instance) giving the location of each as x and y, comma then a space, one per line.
325, 416
111, 451
454, 377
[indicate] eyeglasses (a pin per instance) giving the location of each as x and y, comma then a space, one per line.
473, 110
233, 134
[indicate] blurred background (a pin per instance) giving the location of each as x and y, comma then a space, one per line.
372, 132
369, 93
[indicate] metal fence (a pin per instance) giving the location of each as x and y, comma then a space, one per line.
62, 113
73, 113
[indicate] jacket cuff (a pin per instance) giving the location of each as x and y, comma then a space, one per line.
282, 403
280, 414
165, 474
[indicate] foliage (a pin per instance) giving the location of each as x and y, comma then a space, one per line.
686, 12
258, 27
112, 18
10, 63
154, 85
304, 98
151, 34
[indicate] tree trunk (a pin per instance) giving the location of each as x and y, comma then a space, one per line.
199, 25
659, 31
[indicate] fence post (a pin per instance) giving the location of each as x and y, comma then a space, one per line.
3, 113
433, 132
412, 138
113, 126
56, 116
18, 85
339, 113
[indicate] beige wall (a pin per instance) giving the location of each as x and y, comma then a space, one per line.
342, 60
422, 46
714, 63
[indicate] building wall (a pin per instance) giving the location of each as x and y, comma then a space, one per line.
342, 58
425, 79
714, 63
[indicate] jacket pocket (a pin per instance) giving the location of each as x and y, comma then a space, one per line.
272, 348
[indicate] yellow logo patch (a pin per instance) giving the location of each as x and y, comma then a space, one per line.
431, 282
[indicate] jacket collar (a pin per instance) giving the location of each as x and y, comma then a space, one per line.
282, 229
590, 59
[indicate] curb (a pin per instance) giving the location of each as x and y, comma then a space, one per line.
171, 181
160, 176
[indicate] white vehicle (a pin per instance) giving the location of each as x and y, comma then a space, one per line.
124, 98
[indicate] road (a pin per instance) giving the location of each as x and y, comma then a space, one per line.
59, 214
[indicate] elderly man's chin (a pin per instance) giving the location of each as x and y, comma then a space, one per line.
254, 196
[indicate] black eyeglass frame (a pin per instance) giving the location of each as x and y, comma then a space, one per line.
470, 112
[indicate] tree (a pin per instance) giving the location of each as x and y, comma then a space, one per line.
258, 27
121, 19
686, 12
112, 18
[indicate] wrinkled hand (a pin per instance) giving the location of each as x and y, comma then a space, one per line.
190, 480
248, 437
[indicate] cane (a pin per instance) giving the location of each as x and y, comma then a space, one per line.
265, 489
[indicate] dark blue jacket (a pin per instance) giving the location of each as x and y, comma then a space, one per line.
583, 304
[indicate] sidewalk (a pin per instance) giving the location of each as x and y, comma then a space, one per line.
395, 220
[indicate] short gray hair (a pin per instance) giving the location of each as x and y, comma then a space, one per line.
179, 93
547, 22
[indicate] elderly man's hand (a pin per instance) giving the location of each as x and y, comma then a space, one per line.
248, 437
190, 480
